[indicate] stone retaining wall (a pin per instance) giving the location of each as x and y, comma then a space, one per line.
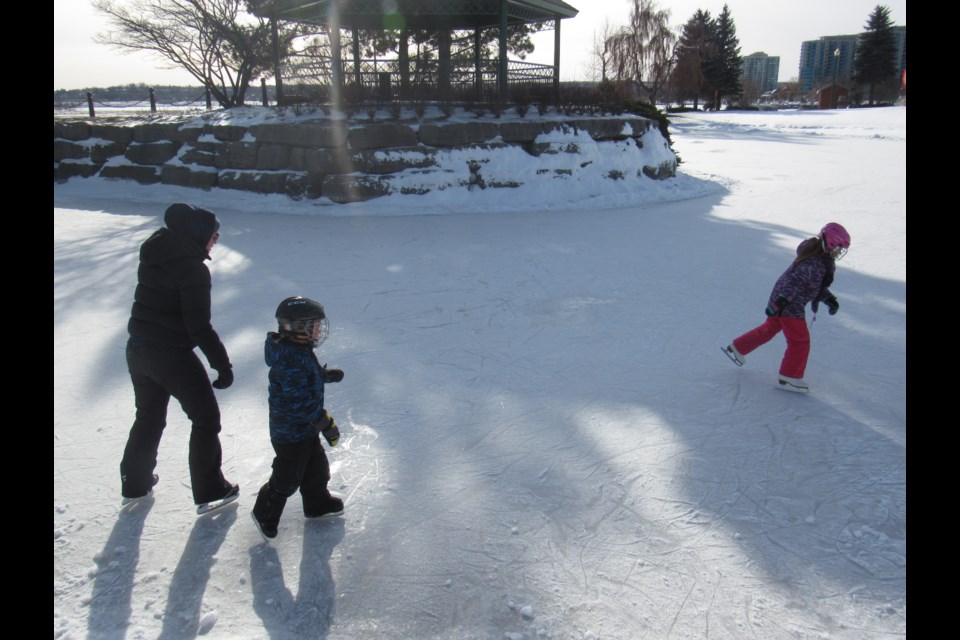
350, 161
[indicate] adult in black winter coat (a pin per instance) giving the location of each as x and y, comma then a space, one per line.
171, 316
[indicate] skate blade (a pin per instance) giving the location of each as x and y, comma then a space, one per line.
207, 507
128, 501
128, 504
256, 523
732, 357
786, 386
332, 514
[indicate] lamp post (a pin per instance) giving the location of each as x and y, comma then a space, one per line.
836, 67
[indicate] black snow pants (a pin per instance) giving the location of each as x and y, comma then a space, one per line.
157, 373
298, 465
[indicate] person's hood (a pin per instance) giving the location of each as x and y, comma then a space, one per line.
196, 225
275, 345
165, 246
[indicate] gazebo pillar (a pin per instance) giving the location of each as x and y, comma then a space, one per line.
443, 59
336, 63
357, 78
556, 61
477, 70
278, 80
502, 58
404, 63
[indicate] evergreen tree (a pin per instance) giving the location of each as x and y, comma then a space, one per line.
723, 70
695, 49
876, 59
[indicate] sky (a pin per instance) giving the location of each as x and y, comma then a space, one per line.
776, 27
541, 439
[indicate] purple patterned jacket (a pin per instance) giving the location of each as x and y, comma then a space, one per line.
805, 281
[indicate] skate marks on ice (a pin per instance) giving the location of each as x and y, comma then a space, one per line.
109, 602
184, 615
467, 565
778, 501
307, 611
624, 522
817, 498
119, 582
831, 453
569, 309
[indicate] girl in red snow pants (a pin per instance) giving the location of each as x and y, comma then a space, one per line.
798, 342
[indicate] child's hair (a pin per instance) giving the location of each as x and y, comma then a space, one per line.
833, 240
809, 247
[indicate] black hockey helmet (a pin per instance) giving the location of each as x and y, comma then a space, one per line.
303, 320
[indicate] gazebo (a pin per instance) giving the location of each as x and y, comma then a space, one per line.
443, 16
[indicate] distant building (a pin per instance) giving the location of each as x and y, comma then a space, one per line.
825, 59
901, 34
761, 71
820, 64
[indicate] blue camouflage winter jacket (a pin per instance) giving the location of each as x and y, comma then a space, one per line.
296, 389
805, 281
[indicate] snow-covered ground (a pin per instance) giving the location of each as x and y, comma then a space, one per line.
541, 438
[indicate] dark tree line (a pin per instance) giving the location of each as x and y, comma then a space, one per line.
702, 63
707, 64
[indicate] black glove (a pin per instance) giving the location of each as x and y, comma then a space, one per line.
332, 375
224, 377
832, 304
775, 308
328, 428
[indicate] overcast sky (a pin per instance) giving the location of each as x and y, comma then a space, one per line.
776, 27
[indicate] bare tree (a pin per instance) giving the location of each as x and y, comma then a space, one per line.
216, 41
642, 52
600, 58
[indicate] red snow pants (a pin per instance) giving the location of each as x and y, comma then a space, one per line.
798, 342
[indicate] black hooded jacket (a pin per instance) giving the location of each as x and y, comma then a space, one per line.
171, 305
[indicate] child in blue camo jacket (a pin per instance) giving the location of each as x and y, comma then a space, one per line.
297, 416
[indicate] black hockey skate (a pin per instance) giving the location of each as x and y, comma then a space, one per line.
213, 505
149, 494
328, 508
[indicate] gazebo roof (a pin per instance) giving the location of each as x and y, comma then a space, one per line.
414, 14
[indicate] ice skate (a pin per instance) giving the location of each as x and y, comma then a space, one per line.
149, 494
735, 356
267, 530
797, 385
267, 511
207, 507
328, 508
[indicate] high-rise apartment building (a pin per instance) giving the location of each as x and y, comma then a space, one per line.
831, 57
826, 59
761, 71
901, 35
